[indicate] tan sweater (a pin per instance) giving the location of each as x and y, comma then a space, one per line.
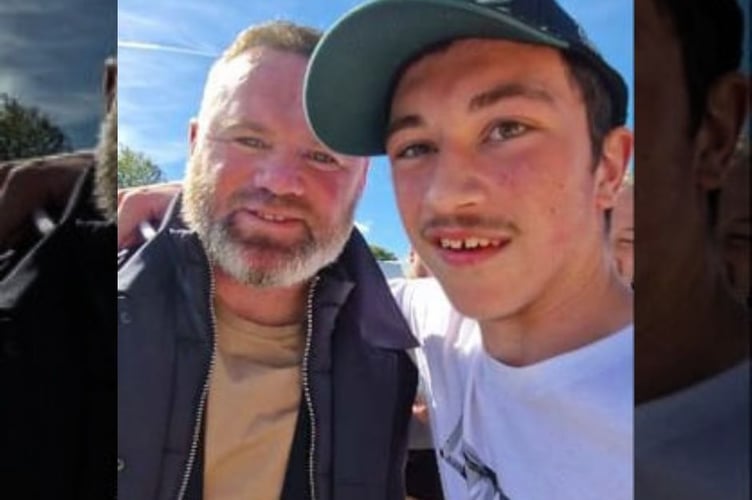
253, 406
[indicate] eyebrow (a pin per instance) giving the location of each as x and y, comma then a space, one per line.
478, 102
243, 124
407, 121
508, 91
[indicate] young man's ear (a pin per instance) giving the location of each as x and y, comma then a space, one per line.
612, 167
718, 135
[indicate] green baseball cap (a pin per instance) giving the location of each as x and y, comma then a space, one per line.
352, 72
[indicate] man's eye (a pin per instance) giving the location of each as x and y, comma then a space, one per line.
321, 157
507, 130
252, 142
416, 150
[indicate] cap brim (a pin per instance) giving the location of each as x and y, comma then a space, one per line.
351, 72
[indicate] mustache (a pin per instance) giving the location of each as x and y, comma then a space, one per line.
263, 198
468, 222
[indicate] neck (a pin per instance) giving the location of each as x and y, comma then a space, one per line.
696, 332
582, 307
267, 306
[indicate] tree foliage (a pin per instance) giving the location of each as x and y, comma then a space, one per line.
25, 132
136, 169
381, 253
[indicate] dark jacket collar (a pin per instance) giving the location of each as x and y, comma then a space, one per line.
359, 278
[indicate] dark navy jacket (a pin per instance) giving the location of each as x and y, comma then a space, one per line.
362, 382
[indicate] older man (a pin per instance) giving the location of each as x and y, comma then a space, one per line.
260, 353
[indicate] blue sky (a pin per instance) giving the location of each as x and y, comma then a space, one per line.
165, 48
52, 57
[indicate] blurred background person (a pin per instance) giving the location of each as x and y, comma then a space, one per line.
735, 225
421, 472
416, 268
621, 231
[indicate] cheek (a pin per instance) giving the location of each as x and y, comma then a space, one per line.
407, 189
329, 193
535, 189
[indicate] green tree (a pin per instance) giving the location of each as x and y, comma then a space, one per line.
25, 132
382, 253
136, 169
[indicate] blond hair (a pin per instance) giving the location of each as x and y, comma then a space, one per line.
280, 35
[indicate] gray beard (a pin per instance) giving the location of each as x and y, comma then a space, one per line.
284, 266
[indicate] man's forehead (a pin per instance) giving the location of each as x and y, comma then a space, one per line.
487, 67
258, 60
262, 72
492, 55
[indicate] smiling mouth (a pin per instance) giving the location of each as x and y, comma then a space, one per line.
271, 217
468, 243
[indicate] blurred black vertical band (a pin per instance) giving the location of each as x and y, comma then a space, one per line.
692, 250
58, 391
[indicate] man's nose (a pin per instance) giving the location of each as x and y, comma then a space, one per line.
455, 184
281, 174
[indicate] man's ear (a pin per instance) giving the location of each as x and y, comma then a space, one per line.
192, 135
109, 83
718, 135
366, 165
362, 164
609, 175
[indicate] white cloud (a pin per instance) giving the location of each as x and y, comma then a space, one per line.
363, 227
165, 48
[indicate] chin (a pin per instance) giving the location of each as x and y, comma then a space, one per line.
476, 301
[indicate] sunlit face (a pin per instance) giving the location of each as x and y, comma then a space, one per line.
622, 234
270, 203
493, 172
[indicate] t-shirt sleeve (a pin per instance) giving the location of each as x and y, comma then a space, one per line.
423, 304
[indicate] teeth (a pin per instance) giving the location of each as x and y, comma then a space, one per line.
270, 217
468, 243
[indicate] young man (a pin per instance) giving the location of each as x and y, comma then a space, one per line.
504, 128
260, 354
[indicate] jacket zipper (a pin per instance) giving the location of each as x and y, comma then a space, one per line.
307, 389
204, 391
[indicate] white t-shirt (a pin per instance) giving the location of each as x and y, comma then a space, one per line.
560, 428
694, 444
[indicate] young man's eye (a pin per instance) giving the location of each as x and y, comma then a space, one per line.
507, 130
415, 151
